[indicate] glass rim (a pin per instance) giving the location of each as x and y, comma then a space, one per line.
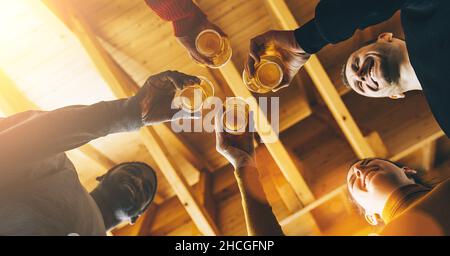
179, 93
240, 130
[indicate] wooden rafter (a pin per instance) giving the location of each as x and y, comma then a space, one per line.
325, 87
124, 86
205, 193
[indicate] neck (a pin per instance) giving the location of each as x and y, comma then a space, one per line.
401, 199
408, 78
106, 208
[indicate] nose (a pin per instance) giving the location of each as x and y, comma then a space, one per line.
360, 171
361, 74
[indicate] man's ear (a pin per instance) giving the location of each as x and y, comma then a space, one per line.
409, 172
373, 219
100, 178
385, 37
134, 219
397, 96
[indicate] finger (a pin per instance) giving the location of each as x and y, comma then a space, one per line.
178, 114
250, 67
255, 48
284, 83
200, 58
179, 80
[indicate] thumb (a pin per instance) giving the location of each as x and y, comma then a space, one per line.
178, 114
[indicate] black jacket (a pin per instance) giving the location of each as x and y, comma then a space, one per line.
426, 24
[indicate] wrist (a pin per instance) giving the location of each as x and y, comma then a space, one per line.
187, 26
245, 161
298, 49
134, 111
309, 38
184, 14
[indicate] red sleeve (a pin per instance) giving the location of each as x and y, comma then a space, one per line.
184, 14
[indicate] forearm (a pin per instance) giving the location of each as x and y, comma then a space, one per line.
337, 20
183, 14
43, 134
258, 214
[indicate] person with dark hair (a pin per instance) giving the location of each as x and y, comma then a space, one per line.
389, 194
388, 67
41, 193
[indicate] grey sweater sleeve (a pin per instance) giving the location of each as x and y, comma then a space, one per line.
36, 135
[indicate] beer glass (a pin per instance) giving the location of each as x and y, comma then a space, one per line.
268, 72
214, 47
235, 116
192, 97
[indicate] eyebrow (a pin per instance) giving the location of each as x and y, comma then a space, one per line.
354, 67
366, 161
355, 64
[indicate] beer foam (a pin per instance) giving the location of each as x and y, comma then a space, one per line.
269, 74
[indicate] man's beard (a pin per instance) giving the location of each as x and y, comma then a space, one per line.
390, 70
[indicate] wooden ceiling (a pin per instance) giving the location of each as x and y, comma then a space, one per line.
52, 60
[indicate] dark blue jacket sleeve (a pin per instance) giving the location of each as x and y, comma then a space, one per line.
337, 20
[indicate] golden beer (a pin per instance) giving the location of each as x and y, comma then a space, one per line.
235, 117
192, 97
214, 47
268, 72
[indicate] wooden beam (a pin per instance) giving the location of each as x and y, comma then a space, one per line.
313, 205
376, 143
123, 85
267, 167
325, 87
417, 146
198, 212
423, 158
205, 193
268, 135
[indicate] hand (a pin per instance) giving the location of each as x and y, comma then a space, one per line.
156, 96
239, 150
189, 41
293, 56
